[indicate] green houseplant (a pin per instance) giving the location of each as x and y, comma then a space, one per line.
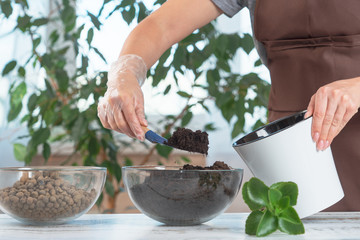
52, 112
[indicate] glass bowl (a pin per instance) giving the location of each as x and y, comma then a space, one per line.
49, 195
181, 197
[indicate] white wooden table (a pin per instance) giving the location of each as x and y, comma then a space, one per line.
138, 226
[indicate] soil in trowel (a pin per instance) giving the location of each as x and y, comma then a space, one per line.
188, 140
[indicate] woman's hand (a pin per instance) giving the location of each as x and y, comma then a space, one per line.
122, 107
332, 106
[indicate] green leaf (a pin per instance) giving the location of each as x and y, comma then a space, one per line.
274, 196
49, 116
224, 99
179, 58
41, 136
23, 22
40, 21
6, 8
252, 205
99, 200
54, 36
19, 152
183, 94
84, 65
247, 43
102, 7
99, 54
79, 128
142, 12
283, 203
237, 128
128, 162
163, 150
94, 146
257, 63
32, 102
228, 110
117, 171
290, 215
94, 20
62, 79
47, 61
36, 42
290, 227
46, 151
258, 192
31, 151
268, 224
185, 159
26, 118
209, 127
125, 3
167, 89
223, 64
109, 188
186, 119
8, 67
252, 222
90, 160
21, 71
14, 112
289, 189
68, 17
129, 15
90, 36
18, 94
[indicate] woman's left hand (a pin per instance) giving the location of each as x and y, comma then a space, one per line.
332, 106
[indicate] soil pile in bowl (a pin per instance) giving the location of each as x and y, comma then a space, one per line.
185, 197
218, 165
188, 140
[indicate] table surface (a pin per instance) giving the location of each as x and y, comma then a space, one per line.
138, 226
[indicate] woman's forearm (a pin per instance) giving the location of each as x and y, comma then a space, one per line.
172, 22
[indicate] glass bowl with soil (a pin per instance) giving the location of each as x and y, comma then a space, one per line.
187, 196
49, 195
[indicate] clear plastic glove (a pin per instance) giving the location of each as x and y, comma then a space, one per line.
122, 107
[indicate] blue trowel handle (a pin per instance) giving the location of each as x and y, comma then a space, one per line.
153, 137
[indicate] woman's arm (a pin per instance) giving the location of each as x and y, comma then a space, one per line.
122, 108
172, 22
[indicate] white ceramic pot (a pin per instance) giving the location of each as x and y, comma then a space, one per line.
283, 150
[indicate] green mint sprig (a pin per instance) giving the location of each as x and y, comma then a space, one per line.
272, 208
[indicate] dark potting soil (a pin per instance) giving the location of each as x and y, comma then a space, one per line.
218, 165
188, 140
186, 197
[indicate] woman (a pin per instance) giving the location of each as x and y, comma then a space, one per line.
311, 47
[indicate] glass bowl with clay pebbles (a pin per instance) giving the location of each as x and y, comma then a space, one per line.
49, 195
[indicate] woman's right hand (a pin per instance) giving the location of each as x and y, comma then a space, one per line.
122, 107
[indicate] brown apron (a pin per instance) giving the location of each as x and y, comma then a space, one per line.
310, 43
